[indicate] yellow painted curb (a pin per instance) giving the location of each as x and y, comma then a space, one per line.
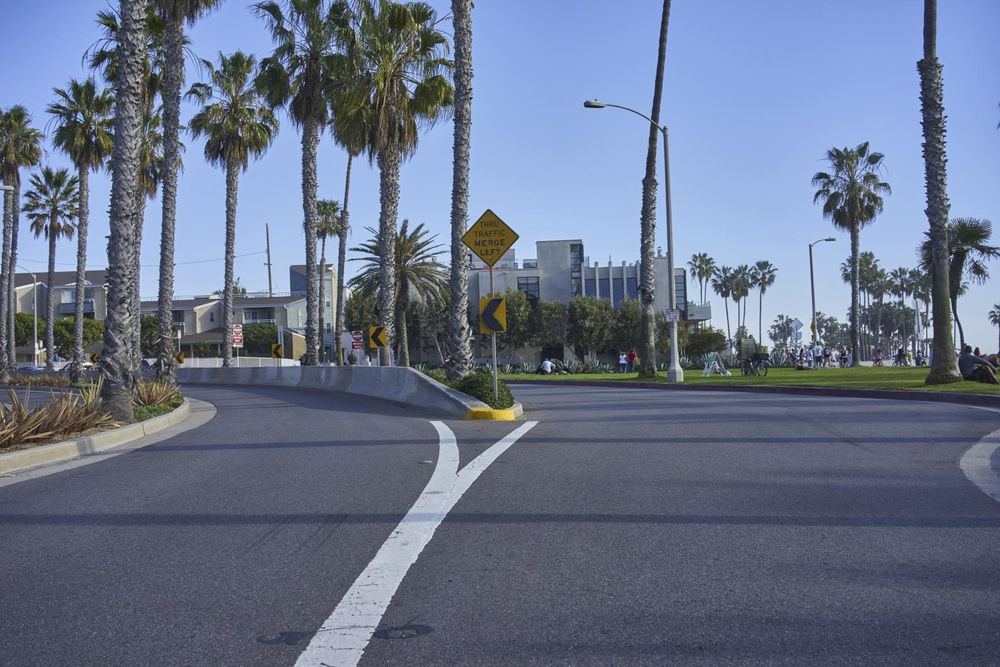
492, 414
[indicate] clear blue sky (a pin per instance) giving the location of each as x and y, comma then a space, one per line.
754, 95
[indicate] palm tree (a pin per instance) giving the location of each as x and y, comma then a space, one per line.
995, 319
702, 268
51, 205
459, 361
920, 290
742, 283
305, 33
968, 252
118, 364
647, 220
852, 197
237, 124
349, 126
174, 14
82, 114
944, 365
327, 225
20, 146
722, 283
764, 274
899, 279
104, 56
417, 273
396, 68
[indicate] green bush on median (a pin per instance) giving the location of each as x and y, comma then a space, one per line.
480, 385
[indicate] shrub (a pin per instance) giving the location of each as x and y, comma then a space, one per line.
157, 394
63, 415
480, 385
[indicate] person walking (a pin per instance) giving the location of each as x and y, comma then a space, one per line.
632, 357
622, 362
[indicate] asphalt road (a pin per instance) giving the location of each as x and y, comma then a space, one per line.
627, 527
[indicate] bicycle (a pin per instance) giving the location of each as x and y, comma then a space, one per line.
756, 364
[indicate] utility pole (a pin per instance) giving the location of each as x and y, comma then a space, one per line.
267, 235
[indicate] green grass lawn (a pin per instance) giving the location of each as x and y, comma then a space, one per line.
846, 378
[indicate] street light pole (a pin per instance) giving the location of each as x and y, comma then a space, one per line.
674, 371
812, 283
34, 313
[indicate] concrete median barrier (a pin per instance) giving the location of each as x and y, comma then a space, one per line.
402, 386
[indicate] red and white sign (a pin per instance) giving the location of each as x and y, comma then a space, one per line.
357, 340
238, 335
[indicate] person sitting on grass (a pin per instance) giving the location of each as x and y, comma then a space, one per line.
975, 368
545, 368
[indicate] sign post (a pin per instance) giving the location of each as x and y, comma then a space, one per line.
237, 341
490, 238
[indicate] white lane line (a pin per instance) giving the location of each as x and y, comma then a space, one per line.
977, 466
343, 637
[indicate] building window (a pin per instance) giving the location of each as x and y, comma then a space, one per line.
605, 288
576, 268
591, 287
211, 316
632, 287
528, 285
329, 327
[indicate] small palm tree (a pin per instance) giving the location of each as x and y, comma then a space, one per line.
395, 64
20, 146
852, 198
174, 14
305, 34
82, 114
969, 250
51, 206
741, 286
237, 124
995, 320
417, 273
722, 283
763, 274
327, 225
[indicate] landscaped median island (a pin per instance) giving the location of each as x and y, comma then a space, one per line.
479, 385
71, 414
885, 378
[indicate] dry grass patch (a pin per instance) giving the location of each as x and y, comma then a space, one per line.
69, 414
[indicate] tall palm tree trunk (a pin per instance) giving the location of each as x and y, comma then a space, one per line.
232, 189
341, 266
958, 322
760, 319
647, 270
729, 333
172, 76
117, 365
12, 271
310, 143
50, 304
136, 340
855, 294
322, 301
402, 333
943, 367
459, 361
388, 164
83, 219
6, 278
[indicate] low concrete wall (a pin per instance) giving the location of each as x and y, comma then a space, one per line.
403, 386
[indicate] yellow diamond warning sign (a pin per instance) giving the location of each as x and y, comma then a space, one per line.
490, 238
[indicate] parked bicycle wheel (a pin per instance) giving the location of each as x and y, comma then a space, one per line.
761, 368
747, 367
